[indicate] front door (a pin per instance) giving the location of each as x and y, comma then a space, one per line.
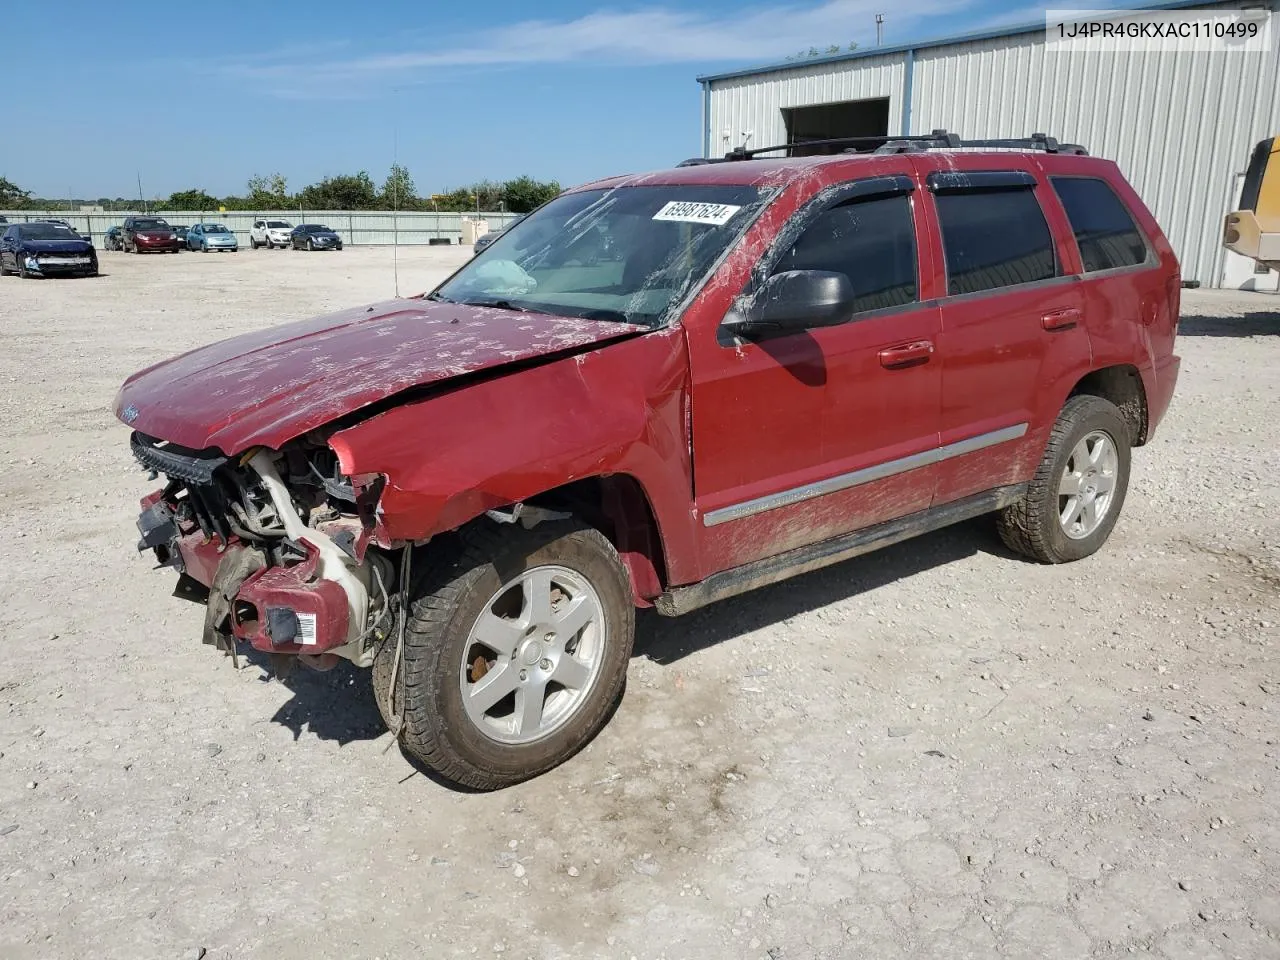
803, 436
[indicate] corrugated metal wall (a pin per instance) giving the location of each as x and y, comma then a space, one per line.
754, 104
1179, 125
355, 226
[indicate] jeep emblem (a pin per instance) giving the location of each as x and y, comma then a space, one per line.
129, 413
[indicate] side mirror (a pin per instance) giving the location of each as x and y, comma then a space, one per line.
795, 300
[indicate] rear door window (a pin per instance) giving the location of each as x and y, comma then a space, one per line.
1105, 231
871, 241
994, 238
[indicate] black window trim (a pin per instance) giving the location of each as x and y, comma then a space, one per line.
864, 188
979, 181
1151, 260
989, 181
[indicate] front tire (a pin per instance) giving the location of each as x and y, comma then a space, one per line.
515, 653
1074, 500
311, 247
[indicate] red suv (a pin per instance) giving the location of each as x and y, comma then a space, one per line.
660, 391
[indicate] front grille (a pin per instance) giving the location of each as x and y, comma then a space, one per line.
174, 461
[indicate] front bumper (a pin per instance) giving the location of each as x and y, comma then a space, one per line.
309, 597
171, 243
49, 264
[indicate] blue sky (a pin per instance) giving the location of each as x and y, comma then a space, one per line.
206, 95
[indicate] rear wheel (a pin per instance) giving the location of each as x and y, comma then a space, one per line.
1073, 502
515, 653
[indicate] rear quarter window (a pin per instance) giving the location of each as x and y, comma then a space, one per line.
1104, 229
993, 239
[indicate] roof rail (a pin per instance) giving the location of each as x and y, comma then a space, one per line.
937, 140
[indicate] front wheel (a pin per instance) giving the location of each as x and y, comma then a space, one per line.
1074, 500
310, 247
515, 653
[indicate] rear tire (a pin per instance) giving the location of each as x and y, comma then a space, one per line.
1074, 500
494, 579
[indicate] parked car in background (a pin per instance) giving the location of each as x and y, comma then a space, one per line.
270, 233
148, 234
314, 236
484, 241
113, 239
215, 237
45, 250
180, 231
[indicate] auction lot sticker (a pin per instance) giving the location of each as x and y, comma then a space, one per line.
686, 211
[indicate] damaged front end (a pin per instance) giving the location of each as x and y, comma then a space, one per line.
275, 543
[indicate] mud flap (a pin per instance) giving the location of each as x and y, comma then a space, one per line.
236, 566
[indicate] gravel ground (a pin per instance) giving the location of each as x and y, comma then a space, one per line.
936, 751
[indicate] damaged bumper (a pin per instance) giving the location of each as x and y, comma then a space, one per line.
240, 545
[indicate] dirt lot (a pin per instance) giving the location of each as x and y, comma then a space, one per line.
937, 751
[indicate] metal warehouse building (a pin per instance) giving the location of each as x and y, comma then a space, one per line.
1180, 125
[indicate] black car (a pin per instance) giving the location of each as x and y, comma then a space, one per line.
180, 231
111, 240
45, 249
314, 236
488, 238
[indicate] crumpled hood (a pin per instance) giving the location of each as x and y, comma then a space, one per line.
268, 387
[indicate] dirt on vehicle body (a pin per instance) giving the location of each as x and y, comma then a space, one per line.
659, 391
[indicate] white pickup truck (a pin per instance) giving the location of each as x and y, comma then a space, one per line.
270, 233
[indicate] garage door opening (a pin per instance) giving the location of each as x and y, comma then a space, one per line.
853, 118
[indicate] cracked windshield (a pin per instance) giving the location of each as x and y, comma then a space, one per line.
625, 254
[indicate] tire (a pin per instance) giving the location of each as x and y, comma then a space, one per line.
4, 271
1034, 526
311, 247
446, 602
253, 243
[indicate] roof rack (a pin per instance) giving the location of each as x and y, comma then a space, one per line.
937, 140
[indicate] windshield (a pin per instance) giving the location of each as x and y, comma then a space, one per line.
625, 254
214, 228
277, 225
46, 231
150, 225
315, 228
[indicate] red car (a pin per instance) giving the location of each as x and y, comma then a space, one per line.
148, 235
660, 391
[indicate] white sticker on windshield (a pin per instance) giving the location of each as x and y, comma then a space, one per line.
686, 211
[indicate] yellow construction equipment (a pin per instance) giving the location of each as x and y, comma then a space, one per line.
1254, 229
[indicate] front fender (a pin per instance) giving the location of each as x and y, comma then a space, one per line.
621, 408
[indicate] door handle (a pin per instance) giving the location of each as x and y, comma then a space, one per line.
1060, 319
906, 355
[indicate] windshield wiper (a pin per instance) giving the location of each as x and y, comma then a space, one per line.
439, 299
500, 304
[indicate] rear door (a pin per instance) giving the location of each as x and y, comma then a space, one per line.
1012, 325
806, 435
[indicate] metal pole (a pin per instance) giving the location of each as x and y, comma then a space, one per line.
879, 29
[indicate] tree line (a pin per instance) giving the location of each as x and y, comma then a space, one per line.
356, 191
